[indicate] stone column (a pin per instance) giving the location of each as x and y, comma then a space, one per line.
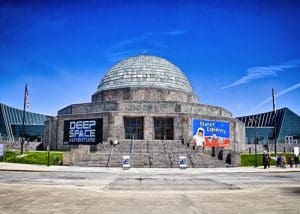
148, 128
115, 126
178, 128
185, 129
50, 136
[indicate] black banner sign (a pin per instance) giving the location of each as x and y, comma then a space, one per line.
86, 131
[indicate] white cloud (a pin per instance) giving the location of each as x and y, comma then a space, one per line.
173, 33
128, 47
285, 91
126, 42
260, 72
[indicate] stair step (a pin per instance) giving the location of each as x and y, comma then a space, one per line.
160, 154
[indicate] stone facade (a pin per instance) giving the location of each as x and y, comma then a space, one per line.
145, 94
145, 87
16, 145
113, 113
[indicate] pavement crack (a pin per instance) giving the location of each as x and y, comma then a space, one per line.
106, 187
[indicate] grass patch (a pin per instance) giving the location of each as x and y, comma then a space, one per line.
249, 159
34, 157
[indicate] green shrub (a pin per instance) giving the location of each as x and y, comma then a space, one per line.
34, 157
249, 159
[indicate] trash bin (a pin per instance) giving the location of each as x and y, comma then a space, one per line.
126, 162
182, 162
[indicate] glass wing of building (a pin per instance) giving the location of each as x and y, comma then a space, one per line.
11, 124
262, 125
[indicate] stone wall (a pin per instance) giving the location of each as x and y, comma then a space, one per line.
145, 94
206, 110
28, 146
145, 107
113, 113
85, 108
50, 133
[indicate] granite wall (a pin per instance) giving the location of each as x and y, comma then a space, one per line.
113, 113
145, 94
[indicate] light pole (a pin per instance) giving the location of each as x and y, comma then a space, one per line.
255, 139
49, 141
23, 118
275, 139
274, 113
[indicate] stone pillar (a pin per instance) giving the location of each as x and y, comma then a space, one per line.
111, 121
116, 126
238, 142
106, 128
186, 130
178, 126
60, 134
50, 130
148, 128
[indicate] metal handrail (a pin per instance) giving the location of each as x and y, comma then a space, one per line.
150, 154
109, 157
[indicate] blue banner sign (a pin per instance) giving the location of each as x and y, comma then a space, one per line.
215, 133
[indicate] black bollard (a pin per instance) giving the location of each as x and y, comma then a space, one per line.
213, 151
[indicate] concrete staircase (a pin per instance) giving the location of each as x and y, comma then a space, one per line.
149, 154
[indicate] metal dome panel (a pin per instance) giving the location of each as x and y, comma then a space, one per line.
145, 71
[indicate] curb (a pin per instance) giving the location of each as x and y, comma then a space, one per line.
18, 168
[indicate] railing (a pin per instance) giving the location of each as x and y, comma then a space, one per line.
167, 153
150, 154
172, 153
109, 156
131, 146
191, 161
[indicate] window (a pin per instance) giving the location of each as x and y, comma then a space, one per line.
163, 128
134, 128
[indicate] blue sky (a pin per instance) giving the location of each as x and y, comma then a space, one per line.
233, 52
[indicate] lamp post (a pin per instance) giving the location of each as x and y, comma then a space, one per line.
274, 113
49, 141
23, 118
275, 139
255, 139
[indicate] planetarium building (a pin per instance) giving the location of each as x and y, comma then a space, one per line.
145, 104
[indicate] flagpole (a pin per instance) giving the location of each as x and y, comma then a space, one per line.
23, 120
274, 113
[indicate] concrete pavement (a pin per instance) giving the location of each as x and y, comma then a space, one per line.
43, 168
26, 188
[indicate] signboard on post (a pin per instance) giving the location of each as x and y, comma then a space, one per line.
182, 162
215, 133
126, 162
296, 151
85, 131
1, 151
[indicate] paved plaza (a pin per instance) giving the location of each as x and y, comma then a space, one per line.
54, 189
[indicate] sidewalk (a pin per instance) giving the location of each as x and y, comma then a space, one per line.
43, 168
